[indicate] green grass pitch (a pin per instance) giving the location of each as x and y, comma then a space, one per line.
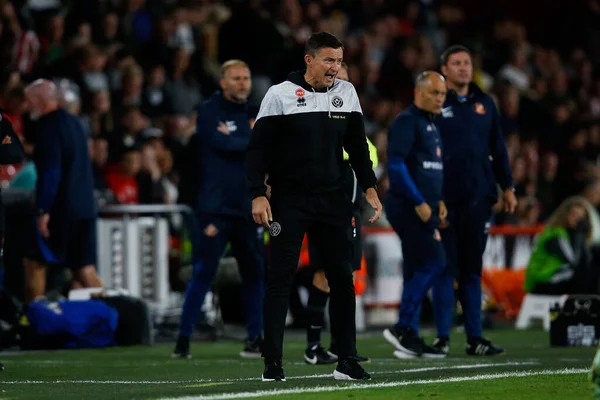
530, 370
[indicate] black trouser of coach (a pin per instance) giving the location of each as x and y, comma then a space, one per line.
327, 217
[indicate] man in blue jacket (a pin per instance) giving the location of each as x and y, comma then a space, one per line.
223, 208
66, 208
475, 162
415, 208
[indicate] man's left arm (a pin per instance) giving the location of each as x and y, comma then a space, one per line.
355, 144
11, 149
48, 165
500, 163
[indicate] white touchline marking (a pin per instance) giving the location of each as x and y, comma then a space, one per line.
399, 371
298, 390
141, 363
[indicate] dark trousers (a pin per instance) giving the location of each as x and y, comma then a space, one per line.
464, 240
210, 235
356, 246
423, 257
328, 220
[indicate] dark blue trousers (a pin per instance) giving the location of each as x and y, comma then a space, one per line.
423, 257
210, 234
464, 240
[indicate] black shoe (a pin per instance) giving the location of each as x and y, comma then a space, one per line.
361, 359
273, 371
432, 352
182, 348
482, 347
442, 344
252, 348
350, 370
316, 355
408, 345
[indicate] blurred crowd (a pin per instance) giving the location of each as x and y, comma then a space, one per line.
135, 70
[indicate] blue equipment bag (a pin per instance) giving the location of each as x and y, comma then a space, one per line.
68, 324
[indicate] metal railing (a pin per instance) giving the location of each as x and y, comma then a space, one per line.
145, 209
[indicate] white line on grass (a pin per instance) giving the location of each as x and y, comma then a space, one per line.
299, 390
399, 371
237, 362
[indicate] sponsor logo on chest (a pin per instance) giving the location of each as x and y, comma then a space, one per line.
447, 112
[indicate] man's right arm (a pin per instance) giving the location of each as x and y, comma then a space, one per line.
263, 133
401, 137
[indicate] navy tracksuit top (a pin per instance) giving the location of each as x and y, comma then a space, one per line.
65, 183
415, 158
475, 156
222, 187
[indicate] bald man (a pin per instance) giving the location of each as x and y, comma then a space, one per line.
66, 211
415, 208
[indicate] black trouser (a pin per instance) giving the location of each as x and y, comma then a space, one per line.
328, 219
356, 246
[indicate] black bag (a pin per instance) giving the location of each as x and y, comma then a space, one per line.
135, 322
577, 322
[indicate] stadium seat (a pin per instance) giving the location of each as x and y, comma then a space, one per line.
536, 306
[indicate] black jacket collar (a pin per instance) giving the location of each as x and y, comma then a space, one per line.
475, 92
228, 105
419, 111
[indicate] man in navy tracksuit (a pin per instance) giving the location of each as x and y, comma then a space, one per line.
415, 208
224, 126
475, 161
66, 209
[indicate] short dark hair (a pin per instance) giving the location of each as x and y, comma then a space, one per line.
321, 40
457, 48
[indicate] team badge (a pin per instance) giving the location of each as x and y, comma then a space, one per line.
211, 230
337, 101
479, 109
275, 229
